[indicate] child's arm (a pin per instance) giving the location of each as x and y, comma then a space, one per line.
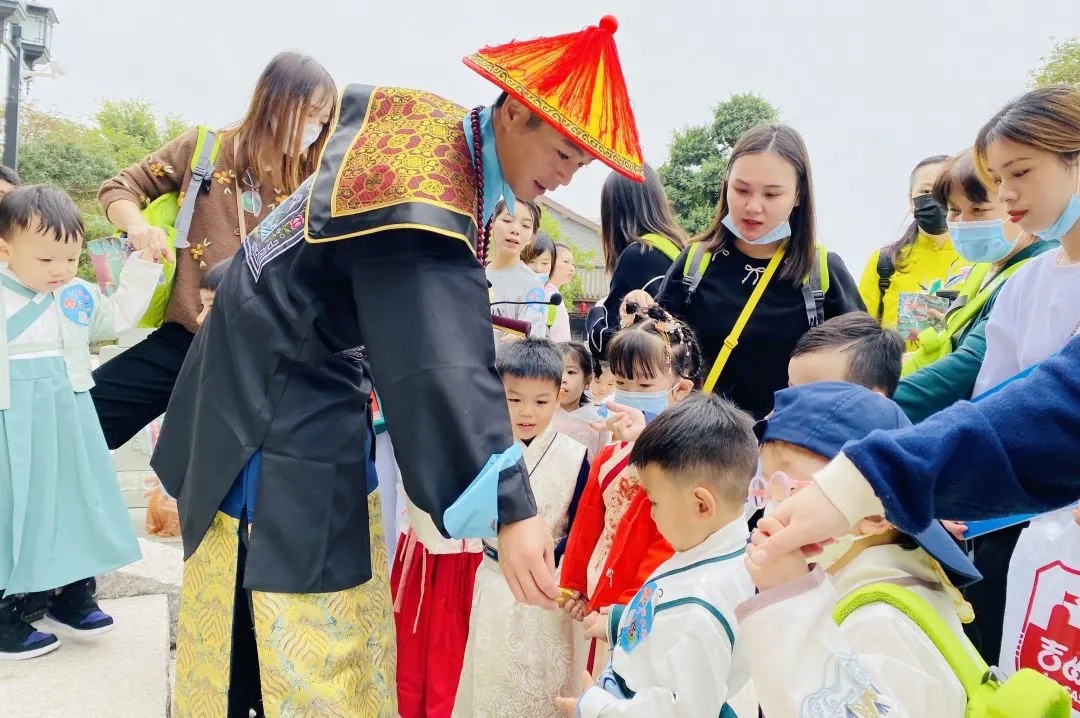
690, 651
122, 311
802, 663
571, 511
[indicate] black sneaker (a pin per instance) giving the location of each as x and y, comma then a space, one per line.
74, 607
35, 605
18, 639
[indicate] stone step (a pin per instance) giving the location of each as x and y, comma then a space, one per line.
124, 672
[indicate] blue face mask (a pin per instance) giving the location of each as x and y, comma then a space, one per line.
781, 231
981, 242
1069, 216
648, 402
544, 277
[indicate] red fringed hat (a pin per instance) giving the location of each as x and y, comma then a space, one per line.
575, 82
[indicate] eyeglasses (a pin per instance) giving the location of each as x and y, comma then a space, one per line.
762, 489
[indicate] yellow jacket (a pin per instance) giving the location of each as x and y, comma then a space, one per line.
924, 268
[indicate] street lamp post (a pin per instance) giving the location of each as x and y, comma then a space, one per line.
29, 40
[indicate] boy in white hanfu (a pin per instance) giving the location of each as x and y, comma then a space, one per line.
673, 646
62, 517
517, 656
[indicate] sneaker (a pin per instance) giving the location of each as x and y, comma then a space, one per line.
35, 604
75, 608
20, 641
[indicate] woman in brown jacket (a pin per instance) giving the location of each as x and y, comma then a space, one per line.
261, 161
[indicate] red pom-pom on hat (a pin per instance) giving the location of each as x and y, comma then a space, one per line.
609, 23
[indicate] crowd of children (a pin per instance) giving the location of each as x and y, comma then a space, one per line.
651, 488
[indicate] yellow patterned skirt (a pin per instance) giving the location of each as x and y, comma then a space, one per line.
331, 655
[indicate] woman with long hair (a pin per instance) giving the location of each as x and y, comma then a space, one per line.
901, 282
260, 161
640, 238
763, 259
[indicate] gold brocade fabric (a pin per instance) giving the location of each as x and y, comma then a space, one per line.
410, 148
331, 655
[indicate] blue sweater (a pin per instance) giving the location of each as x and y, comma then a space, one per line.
1017, 451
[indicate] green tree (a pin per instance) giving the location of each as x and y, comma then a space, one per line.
78, 157
698, 157
1061, 65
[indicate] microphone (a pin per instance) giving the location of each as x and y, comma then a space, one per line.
554, 301
521, 327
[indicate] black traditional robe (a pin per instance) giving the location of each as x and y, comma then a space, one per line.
368, 268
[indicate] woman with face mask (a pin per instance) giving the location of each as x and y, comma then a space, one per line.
944, 367
764, 226
260, 161
901, 282
1016, 451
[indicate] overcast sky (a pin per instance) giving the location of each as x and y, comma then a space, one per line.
872, 86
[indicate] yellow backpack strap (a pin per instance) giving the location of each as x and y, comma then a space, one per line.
694, 269
970, 669
663, 245
956, 320
733, 338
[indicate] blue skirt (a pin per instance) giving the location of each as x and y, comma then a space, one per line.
62, 516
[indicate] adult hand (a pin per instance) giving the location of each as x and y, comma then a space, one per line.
780, 569
145, 236
639, 297
624, 422
805, 521
527, 562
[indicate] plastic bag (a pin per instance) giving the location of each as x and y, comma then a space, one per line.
1042, 610
162, 516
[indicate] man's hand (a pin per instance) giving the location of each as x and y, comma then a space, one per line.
781, 569
527, 562
805, 521
567, 707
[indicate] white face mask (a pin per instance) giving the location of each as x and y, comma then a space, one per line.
310, 134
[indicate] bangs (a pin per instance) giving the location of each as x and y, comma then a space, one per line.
637, 354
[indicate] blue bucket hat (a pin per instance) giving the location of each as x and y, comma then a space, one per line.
824, 416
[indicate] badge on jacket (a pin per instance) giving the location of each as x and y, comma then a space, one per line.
638, 618
77, 304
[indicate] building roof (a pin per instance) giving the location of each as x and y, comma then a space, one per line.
582, 232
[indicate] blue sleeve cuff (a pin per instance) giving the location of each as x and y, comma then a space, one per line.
475, 514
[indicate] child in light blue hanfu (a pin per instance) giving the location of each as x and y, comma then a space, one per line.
62, 517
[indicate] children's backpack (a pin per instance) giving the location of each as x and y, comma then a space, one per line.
1026, 694
663, 245
814, 286
168, 213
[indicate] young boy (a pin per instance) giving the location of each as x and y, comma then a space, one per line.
877, 661
673, 644
208, 288
851, 347
519, 656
